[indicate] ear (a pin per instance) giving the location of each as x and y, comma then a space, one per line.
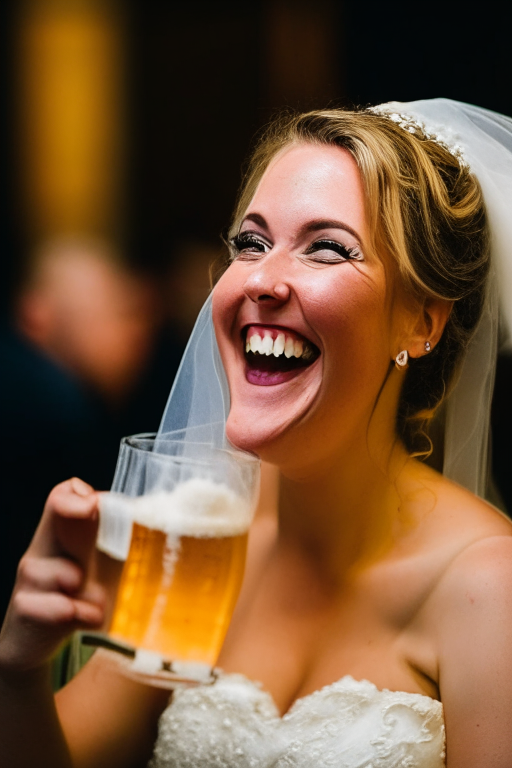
429, 326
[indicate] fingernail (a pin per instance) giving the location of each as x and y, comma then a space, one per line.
81, 488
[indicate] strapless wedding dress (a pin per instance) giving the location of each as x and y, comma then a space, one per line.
349, 724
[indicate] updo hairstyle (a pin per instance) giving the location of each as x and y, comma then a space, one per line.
426, 211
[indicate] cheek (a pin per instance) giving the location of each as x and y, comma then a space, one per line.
355, 300
354, 317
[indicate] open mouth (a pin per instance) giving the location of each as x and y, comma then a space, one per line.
275, 355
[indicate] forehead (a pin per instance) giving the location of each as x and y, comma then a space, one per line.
312, 181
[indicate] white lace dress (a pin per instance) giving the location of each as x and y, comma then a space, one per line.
349, 724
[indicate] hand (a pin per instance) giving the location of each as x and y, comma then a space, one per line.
54, 594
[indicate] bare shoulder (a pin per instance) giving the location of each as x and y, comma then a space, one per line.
467, 618
471, 625
477, 537
466, 544
456, 516
482, 572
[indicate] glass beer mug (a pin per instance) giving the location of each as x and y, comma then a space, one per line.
178, 516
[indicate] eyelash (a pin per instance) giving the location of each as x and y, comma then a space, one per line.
242, 242
347, 254
245, 242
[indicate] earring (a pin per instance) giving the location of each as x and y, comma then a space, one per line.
427, 346
401, 360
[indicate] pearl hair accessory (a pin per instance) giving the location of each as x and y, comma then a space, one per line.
401, 360
442, 135
427, 346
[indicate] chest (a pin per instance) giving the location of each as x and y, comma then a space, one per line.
349, 724
296, 634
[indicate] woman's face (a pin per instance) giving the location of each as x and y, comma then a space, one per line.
304, 315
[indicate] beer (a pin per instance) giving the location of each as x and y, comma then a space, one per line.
179, 586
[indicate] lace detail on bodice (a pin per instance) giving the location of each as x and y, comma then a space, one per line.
349, 724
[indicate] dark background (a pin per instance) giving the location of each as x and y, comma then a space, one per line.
203, 77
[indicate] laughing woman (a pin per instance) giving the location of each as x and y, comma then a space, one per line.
376, 613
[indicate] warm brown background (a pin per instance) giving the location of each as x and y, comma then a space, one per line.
201, 77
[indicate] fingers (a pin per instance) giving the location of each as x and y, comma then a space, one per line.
80, 487
51, 600
56, 610
53, 595
49, 603
52, 590
73, 498
49, 575
69, 523
36, 624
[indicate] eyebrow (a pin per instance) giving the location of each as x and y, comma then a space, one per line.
312, 226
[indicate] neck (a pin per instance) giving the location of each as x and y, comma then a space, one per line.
345, 517
347, 511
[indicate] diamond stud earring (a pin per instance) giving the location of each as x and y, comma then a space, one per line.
401, 360
427, 346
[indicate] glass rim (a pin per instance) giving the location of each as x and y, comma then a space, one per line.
142, 441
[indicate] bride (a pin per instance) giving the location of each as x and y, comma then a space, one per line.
359, 262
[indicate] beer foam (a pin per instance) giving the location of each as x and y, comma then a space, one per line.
197, 507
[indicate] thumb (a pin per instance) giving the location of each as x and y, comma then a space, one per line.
69, 523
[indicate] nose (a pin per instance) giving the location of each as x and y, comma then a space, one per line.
265, 285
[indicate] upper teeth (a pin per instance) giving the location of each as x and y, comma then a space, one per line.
266, 345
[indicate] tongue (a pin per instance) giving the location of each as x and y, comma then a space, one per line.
267, 370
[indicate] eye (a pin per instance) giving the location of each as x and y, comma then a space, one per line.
247, 245
330, 251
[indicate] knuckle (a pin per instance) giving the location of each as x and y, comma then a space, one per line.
21, 604
55, 497
60, 488
64, 611
59, 499
27, 569
73, 497
46, 610
70, 575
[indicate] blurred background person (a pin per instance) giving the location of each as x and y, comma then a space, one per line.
80, 336
89, 313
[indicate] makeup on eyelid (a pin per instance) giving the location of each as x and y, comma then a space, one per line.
249, 241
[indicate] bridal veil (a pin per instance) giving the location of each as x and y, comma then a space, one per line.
198, 405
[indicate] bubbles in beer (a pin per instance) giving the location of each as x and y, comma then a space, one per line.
184, 570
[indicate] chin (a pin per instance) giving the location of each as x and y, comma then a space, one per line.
272, 429
251, 437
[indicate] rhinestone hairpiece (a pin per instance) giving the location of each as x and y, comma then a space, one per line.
442, 135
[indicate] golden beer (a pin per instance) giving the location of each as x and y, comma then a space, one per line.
177, 594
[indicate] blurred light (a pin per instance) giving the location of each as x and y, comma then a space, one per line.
70, 65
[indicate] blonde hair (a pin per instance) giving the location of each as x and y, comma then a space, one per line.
425, 210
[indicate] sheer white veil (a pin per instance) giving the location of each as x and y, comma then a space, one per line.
199, 401
483, 140
198, 405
